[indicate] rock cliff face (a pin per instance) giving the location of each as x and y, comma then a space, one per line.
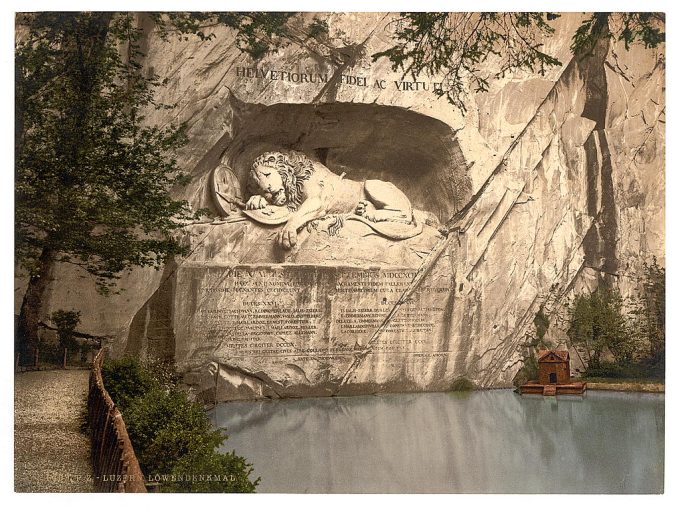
547, 185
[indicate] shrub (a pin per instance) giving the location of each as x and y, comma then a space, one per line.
597, 324
166, 425
125, 379
66, 322
462, 384
233, 472
171, 435
528, 372
163, 372
636, 340
615, 371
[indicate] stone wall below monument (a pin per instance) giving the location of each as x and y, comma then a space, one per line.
251, 331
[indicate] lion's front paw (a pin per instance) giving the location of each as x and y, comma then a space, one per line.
365, 209
287, 238
256, 202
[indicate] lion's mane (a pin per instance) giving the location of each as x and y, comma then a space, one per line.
293, 167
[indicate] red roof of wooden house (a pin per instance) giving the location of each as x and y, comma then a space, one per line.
550, 355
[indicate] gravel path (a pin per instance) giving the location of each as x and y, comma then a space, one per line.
50, 452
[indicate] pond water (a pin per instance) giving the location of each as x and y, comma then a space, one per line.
476, 442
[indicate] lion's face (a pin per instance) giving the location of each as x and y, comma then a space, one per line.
270, 184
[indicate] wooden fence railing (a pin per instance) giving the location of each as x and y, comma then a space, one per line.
115, 464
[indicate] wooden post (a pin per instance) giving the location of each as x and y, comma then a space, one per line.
36, 358
63, 364
217, 378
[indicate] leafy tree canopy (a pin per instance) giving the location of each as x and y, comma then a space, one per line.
649, 317
646, 28
632, 330
92, 178
597, 324
453, 45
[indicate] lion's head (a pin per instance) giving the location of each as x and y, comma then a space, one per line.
279, 176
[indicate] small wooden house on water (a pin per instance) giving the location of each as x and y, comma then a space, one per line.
553, 375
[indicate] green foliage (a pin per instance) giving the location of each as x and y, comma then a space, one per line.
66, 322
167, 426
646, 28
163, 372
542, 323
92, 175
597, 323
452, 45
589, 32
447, 45
654, 308
125, 380
257, 33
234, 471
529, 370
637, 341
649, 312
318, 28
172, 436
462, 384
609, 370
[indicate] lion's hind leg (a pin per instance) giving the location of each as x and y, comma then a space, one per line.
385, 202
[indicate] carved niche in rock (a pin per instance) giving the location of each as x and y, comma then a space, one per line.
289, 188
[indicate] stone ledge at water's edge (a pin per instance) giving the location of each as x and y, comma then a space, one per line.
642, 387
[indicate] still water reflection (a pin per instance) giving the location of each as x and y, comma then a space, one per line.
485, 441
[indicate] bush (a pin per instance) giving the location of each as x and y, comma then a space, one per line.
171, 435
528, 372
609, 370
232, 472
67, 322
166, 426
614, 371
597, 324
636, 340
462, 384
125, 380
163, 373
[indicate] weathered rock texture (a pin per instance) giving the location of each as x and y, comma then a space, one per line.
548, 184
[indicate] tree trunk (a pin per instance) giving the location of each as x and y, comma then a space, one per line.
26, 342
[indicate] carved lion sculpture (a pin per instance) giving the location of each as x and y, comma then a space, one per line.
312, 191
